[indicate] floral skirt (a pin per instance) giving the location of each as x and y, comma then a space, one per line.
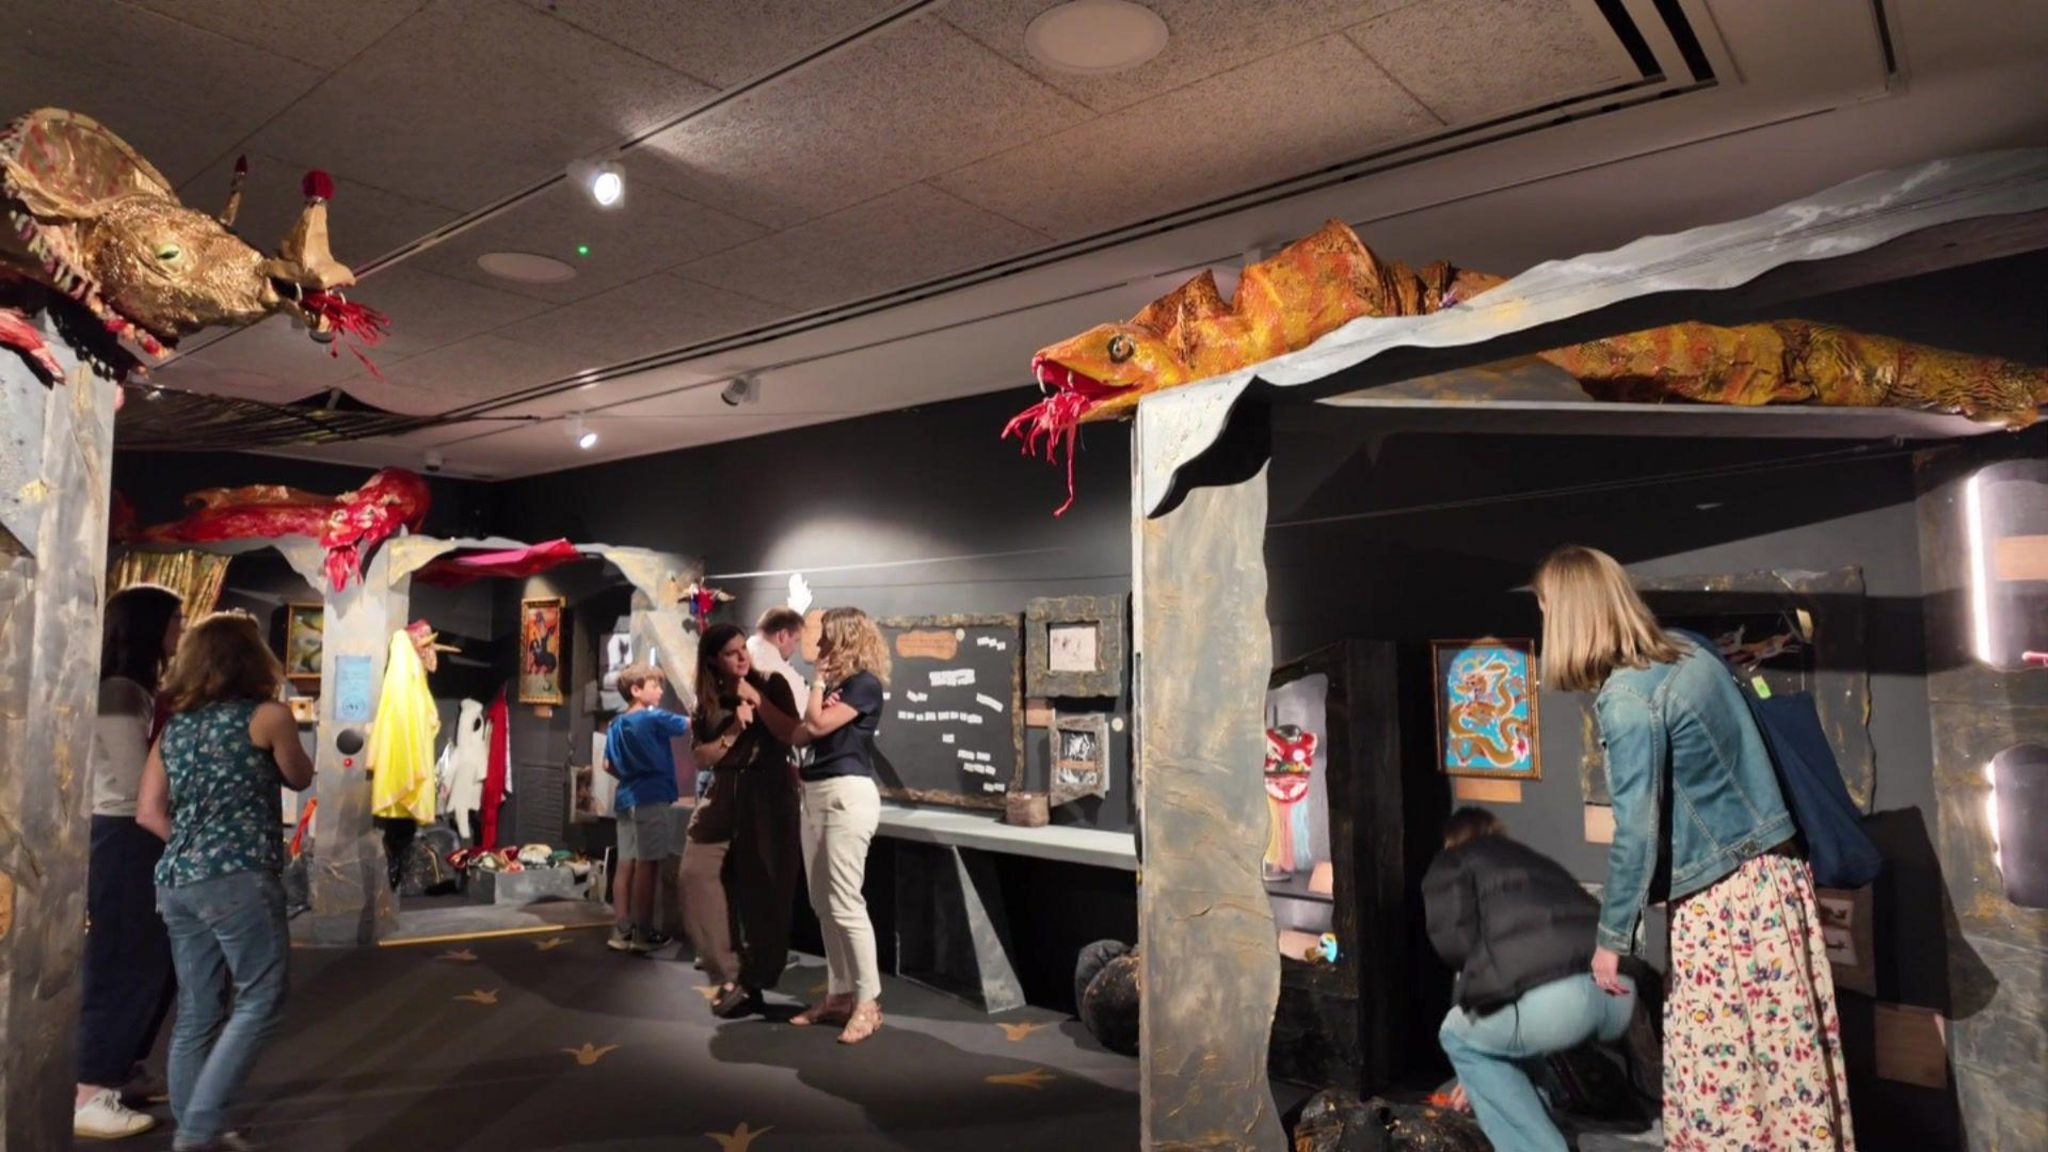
1752, 1042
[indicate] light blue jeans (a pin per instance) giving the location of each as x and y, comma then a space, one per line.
227, 934
1488, 1053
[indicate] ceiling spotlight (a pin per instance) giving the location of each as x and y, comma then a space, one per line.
585, 438
743, 390
604, 181
1095, 37
433, 460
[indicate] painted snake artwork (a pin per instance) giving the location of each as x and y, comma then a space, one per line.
1329, 278
1486, 720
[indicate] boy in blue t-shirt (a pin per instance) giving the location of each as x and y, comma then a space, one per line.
636, 750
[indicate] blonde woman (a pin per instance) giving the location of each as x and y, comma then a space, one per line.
1752, 1047
841, 808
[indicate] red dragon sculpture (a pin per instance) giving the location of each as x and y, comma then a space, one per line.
349, 526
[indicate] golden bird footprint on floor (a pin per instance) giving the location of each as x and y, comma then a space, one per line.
741, 1138
590, 1053
1016, 1032
480, 996
550, 944
708, 991
1033, 1079
459, 955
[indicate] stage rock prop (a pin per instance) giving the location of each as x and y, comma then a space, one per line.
1328, 279
1335, 1120
348, 526
93, 226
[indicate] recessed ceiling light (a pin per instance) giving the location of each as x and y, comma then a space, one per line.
525, 267
1094, 37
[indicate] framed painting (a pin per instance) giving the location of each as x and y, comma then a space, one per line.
1074, 646
540, 651
1080, 756
304, 632
1486, 722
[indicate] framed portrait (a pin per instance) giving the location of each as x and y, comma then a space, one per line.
540, 651
1074, 646
304, 633
1486, 722
1080, 756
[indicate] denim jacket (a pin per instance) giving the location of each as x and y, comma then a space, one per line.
1686, 718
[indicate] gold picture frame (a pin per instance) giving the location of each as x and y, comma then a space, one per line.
541, 650
305, 631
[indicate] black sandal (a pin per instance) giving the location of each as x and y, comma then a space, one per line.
738, 1000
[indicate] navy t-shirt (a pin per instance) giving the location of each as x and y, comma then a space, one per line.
850, 751
637, 748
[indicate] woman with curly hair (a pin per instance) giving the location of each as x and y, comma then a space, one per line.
841, 808
212, 790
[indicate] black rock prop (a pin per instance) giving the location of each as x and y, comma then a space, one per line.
1109, 1003
1335, 1120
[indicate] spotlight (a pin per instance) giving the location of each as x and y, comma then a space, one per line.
585, 438
433, 460
604, 181
743, 390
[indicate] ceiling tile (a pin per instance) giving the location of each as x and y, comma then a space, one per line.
481, 367
317, 32
270, 348
1200, 142
721, 42
918, 99
905, 237
210, 381
1472, 60
651, 315
363, 223
180, 96
429, 311
651, 231
472, 99
1204, 37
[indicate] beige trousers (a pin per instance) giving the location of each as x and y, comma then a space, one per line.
839, 819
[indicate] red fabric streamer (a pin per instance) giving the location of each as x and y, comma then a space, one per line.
494, 771
457, 570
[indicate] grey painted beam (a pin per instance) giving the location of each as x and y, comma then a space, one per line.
1210, 968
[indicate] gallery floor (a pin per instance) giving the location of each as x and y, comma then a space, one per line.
551, 1042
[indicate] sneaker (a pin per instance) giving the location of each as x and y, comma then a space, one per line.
104, 1117
642, 941
225, 1142
622, 938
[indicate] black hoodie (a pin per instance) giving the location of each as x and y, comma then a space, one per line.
1508, 918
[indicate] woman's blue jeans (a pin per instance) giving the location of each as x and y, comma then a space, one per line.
1488, 1053
228, 934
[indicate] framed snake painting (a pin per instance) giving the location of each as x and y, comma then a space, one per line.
1486, 723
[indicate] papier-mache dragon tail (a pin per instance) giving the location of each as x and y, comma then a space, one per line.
1330, 278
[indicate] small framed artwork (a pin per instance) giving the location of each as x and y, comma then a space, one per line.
1074, 646
304, 633
1486, 722
540, 651
1080, 756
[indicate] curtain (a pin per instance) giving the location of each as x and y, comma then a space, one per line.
196, 576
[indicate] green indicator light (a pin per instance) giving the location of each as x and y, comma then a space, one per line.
583, 249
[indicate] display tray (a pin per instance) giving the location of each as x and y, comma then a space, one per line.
1296, 887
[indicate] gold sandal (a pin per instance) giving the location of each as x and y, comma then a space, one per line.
832, 1011
865, 1022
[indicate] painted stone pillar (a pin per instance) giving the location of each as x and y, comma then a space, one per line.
351, 892
1998, 950
55, 444
1210, 970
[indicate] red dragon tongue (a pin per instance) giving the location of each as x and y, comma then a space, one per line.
1057, 421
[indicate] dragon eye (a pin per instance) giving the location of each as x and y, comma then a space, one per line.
1121, 349
169, 253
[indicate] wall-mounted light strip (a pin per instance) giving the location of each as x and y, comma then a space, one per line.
1980, 580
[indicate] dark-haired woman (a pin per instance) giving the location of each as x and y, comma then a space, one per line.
212, 789
128, 979
740, 852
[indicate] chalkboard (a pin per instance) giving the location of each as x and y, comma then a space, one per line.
952, 729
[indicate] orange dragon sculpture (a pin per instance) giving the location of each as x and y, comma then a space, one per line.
1329, 278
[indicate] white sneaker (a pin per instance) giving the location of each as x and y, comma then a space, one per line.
104, 1117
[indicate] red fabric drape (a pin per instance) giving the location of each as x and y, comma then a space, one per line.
495, 769
455, 571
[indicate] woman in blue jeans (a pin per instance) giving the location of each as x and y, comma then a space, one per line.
1520, 931
211, 789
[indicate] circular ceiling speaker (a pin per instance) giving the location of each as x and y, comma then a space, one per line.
1095, 37
525, 267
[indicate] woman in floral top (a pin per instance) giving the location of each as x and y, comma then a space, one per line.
211, 790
